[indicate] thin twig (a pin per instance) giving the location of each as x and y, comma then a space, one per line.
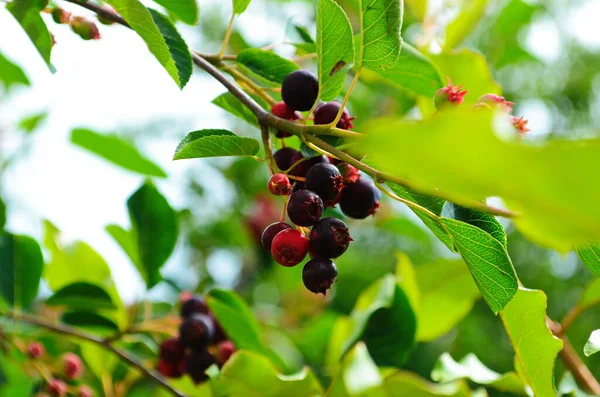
65, 330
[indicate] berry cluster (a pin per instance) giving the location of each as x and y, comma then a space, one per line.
66, 373
311, 185
201, 343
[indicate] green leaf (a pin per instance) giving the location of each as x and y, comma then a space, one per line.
126, 239
590, 256
231, 104
414, 72
11, 74
27, 13
83, 296
404, 384
381, 307
185, 10
470, 13
88, 320
488, 262
266, 64
548, 213
155, 225
380, 41
335, 48
32, 122
239, 6
160, 36
247, 373
448, 370
116, 150
359, 376
21, 265
2, 214
590, 296
592, 346
215, 143
485, 222
535, 347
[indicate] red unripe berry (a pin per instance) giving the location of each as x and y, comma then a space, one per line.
281, 110
289, 247
279, 185
270, 232
360, 199
72, 365
225, 350
283, 157
305, 208
169, 370
57, 388
349, 173
171, 350
35, 350
327, 112
85, 391
192, 305
325, 180
84, 28
60, 16
329, 238
493, 100
300, 90
449, 96
318, 275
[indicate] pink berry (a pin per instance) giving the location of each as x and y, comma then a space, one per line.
72, 365
35, 350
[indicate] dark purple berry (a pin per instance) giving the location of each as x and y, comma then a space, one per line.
270, 232
197, 331
281, 110
193, 305
300, 90
171, 350
305, 208
289, 247
170, 370
327, 112
283, 157
360, 199
220, 334
329, 238
298, 186
197, 363
279, 185
318, 275
325, 180
302, 169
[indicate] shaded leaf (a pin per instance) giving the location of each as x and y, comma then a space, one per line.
592, 346
27, 13
21, 265
380, 33
82, 295
11, 74
266, 64
590, 296
335, 48
115, 150
231, 104
2, 214
590, 256
185, 10
215, 143
88, 320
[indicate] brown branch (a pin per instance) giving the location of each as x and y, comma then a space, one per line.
104, 343
102, 11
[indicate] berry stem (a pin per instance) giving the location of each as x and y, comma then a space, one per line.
296, 178
284, 209
227, 35
346, 98
266, 139
239, 76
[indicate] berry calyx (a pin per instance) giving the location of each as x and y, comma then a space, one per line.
197, 331
327, 112
520, 124
169, 370
60, 16
197, 363
279, 185
270, 232
283, 111
57, 388
302, 168
318, 275
305, 208
225, 350
35, 350
193, 305
449, 96
360, 199
329, 238
349, 173
85, 391
283, 157
289, 247
493, 100
300, 90
72, 365
171, 350
84, 28
325, 180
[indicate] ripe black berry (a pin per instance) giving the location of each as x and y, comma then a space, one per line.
305, 208
318, 275
283, 157
171, 350
281, 110
270, 232
298, 186
197, 331
197, 363
279, 185
329, 238
300, 90
170, 370
360, 199
325, 180
193, 305
302, 169
289, 247
327, 112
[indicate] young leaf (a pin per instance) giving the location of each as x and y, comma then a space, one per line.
239, 6
403, 384
115, 150
381, 307
414, 72
359, 375
485, 222
335, 48
535, 347
488, 262
160, 36
27, 13
590, 256
32, 122
380, 41
266, 64
11, 74
592, 346
215, 143
82, 295
155, 225
230, 103
21, 265
185, 10
126, 239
